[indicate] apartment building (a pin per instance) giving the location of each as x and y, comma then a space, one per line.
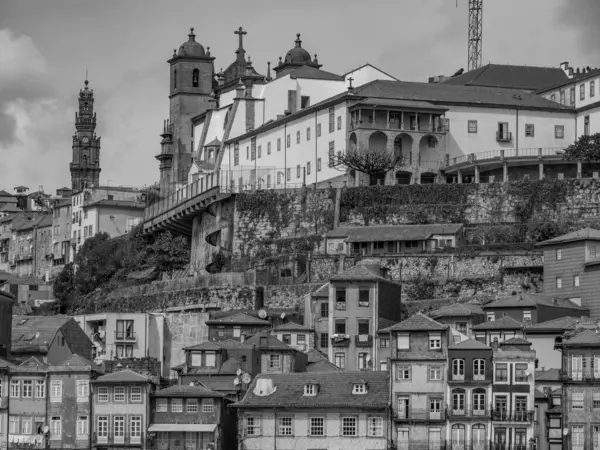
191, 417
462, 317
419, 370
276, 356
316, 410
500, 329
121, 410
61, 234
237, 326
5, 367
513, 392
572, 268
300, 337
470, 377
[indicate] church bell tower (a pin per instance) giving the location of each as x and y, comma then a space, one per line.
85, 165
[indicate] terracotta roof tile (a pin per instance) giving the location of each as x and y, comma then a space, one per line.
469, 344
238, 319
527, 300
322, 366
559, 325
291, 326
456, 310
335, 390
547, 375
515, 341
393, 233
586, 337
77, 363
271, 342
123, 376
504, 323
418, 322
589, 234
187, 391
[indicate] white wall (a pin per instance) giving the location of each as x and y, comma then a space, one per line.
365, 74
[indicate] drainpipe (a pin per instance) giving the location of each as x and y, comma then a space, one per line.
284, 157
517, 130
274, 429
316, 168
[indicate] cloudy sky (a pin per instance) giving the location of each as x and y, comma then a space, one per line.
46, 45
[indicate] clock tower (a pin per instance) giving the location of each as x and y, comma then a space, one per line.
85, 166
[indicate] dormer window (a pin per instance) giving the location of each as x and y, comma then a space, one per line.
311, 389
435, 341
359, 388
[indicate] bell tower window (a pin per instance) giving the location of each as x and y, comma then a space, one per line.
195, 76
175, 79
85, 106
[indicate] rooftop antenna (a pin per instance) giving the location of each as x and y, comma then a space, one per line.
475, 34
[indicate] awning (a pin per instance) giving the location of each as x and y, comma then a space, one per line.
189, 427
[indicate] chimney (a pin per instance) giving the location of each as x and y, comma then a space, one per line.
570, 72
495, 344
239, 90
564, 65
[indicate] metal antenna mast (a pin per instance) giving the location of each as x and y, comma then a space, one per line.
475, 33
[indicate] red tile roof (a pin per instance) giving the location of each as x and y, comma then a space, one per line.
393, 233
238, 319
586, 337
585, 234
123, 376
505, 323
187, 391
291, 326
335, 391
312, 73
456, 310
322, 366
76, 363
554, 325
469, 344
418, 322
271, 342
547, 375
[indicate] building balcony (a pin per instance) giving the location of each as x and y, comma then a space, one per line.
503, 137
363, 340
468, 379
419, 415
3, 402
117, 440
461, 414
500, 156
125, 336
340, 306
25, 256
582, 376
499, 415
340, 340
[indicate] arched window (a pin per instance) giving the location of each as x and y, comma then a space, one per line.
478, 438
85, 106
458, 436
458, 369
478, 369
175, 79
195, 76
479, 402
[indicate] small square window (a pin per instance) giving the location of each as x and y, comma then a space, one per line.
559, 132
208, 405
318, 164
435, 342
339, 122
177, 405
191, 405
472, 126
558, 282
558, 254
575, 280
529, 130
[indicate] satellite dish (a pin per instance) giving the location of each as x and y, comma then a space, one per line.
37, 335
282, 315
191, 383
46, 429
238, 372
565, 431
236, 381
246, 378
262, 314
368, 358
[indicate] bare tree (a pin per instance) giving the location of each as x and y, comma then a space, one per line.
374, 163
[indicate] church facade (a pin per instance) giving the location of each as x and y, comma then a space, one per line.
85, 165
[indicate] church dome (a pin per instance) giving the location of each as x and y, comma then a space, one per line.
298, 55
191, 47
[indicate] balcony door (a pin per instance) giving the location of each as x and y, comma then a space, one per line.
521, 409
500, 439
478, 438
124, 329
520, 439
403, 439
501, 407
458, 437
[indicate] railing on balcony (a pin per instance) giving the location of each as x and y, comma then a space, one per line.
503, 137
501, 415
459, 445
467, 413
112, 439
340, 306
579, 375
340, 340
506, 153
124, 336
409, 415
397, 126
363, 340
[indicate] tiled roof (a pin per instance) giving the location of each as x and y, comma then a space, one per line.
418, 322
539, 395
24, 329
322, 366
291, 326
513, 77
547, 375
123, 376
443, 94
586, 337
238, 319
528, 300
456, 310
393, 233
218, 383
585, 234
32, 364
323, 291
385, 324
421, 356
515, 341
76, 363
315, 355
469, 344
512, 353
187, 391
557, 325
208, 345
6, 364
272, 342
362, 272
504, 323
335, 390
576, 79
214, 143
313, 73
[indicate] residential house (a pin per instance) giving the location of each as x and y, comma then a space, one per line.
300, 337
28, 397
217, 364
316, 315
51, 339
460, 316
580, 374
533, 308
5, 367
381, 240
238, 326
419, 369
32, 245
7, 302
358, 299
470, 377
542, 337
191, 417
121, 410
316, 410
572, 268
69, 408
548, 401
501, 329
126, 335
318, 362
61, 234
29, 290
276, 356
111, 209
513, 393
